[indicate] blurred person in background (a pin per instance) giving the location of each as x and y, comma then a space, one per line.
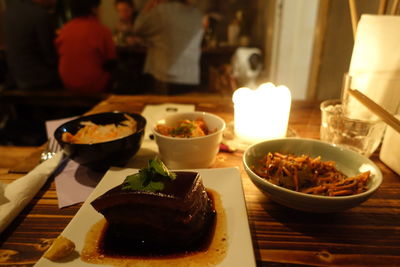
172, 31
86, 50
29, 31
126, 17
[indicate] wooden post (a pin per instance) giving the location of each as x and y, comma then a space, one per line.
382, 7
354, 16
395, 7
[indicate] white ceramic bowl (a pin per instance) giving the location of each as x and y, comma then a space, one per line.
348, 162
190, 153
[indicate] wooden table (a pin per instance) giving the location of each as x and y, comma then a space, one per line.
368, 235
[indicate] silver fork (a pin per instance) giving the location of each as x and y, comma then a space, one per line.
51, 149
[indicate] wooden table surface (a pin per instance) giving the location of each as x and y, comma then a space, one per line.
367, 235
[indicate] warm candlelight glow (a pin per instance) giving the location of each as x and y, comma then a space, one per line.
263, 113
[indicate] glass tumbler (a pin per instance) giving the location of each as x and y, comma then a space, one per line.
362, 136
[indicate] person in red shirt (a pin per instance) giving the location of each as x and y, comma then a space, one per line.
86, 50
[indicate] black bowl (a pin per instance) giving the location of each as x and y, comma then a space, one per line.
100, 156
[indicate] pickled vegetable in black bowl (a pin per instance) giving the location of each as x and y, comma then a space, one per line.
101, 155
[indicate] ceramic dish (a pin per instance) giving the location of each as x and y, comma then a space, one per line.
225, 181
190, 153
348, 162
105, 154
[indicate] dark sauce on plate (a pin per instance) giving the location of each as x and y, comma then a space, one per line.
113, 243
103, 247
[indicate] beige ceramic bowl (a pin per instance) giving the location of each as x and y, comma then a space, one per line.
190, 153
349, 162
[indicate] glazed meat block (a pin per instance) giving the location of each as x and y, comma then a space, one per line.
178, 216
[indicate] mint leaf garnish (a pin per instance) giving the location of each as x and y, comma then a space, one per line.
149, 178
154, 186
159, 167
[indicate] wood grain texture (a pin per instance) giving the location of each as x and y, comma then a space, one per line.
368, 235
11, 156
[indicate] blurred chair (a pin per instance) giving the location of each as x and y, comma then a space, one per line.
221, 79
50, 98
23, 113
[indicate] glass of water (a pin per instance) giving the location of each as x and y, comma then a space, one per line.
362, 136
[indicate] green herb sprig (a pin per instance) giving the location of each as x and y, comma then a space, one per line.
185, 129
149, 178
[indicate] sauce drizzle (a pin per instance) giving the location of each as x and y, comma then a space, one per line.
211, 251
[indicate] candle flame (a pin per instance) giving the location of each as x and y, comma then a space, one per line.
262, 113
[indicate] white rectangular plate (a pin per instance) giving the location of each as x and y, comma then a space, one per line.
225, 181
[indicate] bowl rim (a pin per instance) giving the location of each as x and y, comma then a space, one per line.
378, 177
138, 131
184, 139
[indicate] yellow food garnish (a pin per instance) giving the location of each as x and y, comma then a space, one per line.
61, 248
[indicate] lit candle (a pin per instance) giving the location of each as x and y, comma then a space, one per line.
261, 114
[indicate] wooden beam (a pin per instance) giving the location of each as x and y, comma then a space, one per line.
395, 7
354, 16
319, 38
382, 7
269, 38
